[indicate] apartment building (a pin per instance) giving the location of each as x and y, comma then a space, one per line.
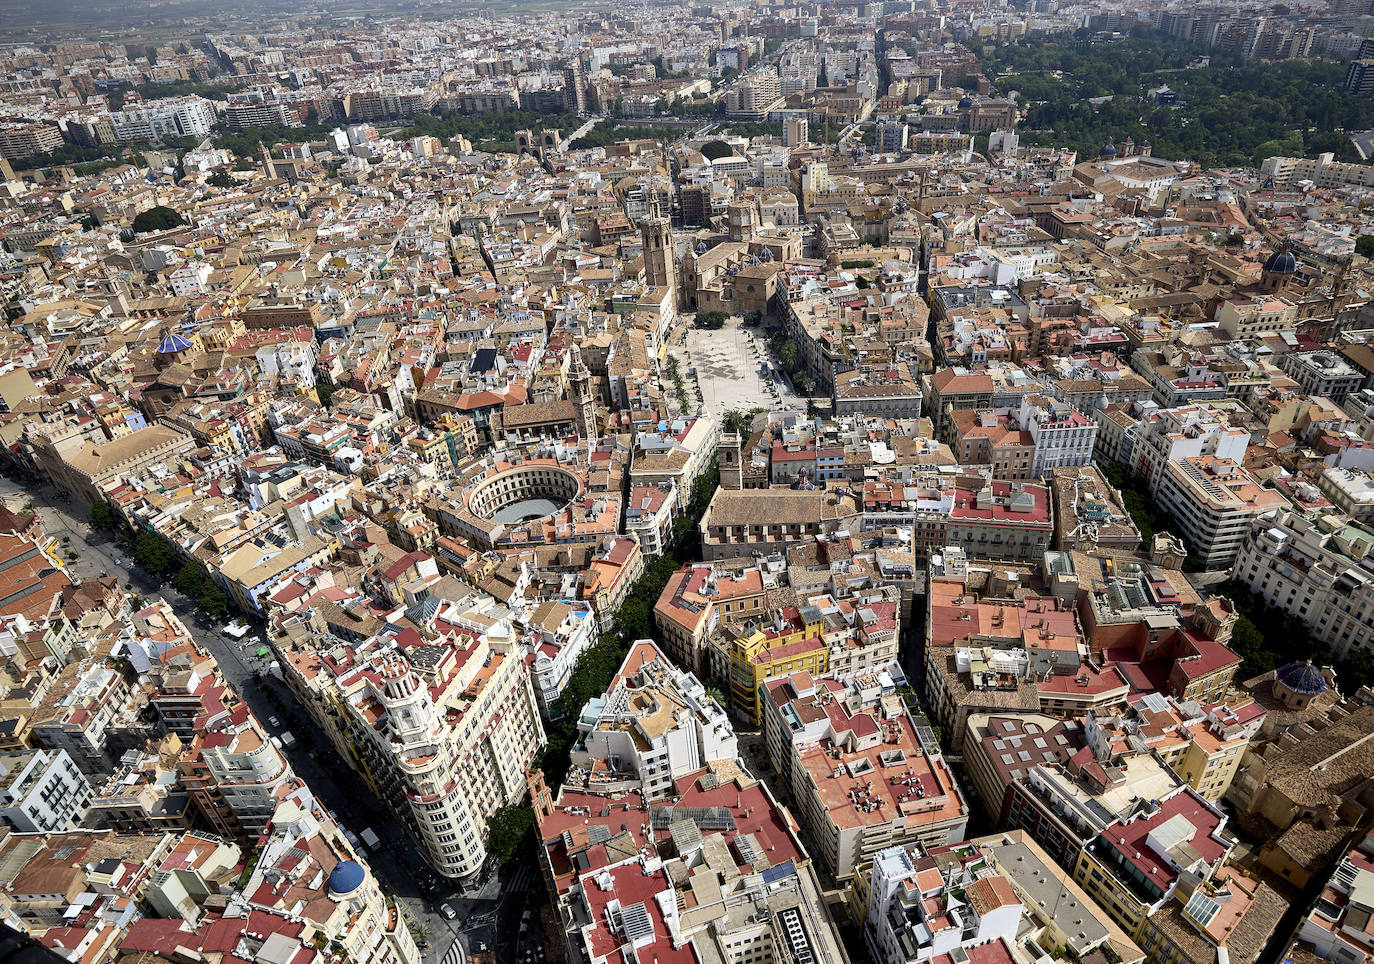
1325, 373
1165, 435
1062, 436
42, 791
556, 634
1213, 501
999, 750
845, 633
1324, 170
234, 774
1002, 520
655, 724
441, 730
1065, 915
169, 117
1006, 654
863, 776
83, 706
693, 602
929, 904
1316, 569
1244, 318
1135, 865
1203, 745
1349, 490
1336, 929
754, 95
628, 875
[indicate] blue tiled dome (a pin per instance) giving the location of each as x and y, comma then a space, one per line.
965, 102
346, 877
1108, 149
172, 343
1282, 262
1303, 678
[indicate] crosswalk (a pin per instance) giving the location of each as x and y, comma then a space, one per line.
520, 880
455, 953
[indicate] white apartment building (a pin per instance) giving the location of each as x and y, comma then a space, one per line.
246, 768
190, 279
1213, 500
556, 634
678, 453
754, 95
649, 516
1316, 570
920, 909
442, 730
42, 791
1322, 372
1349, 490
1324, 170
170, 117
1337, 927
1062, 436
655, 724
1186, 431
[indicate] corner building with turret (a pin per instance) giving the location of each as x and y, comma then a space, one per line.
442, 730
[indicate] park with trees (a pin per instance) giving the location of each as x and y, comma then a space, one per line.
1077, 94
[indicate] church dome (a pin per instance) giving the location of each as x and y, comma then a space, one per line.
1282, 262
171, 343
965, 102
1108, 149
1302, 678
346, 877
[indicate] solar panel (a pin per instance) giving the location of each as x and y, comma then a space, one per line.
782, 871
707, 818
638, 926
1201, 908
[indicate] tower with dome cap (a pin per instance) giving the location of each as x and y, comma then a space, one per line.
1280, 269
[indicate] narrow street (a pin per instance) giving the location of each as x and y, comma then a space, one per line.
479, 916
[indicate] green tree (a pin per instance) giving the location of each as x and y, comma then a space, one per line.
714, 150
103, 518
154, 555
711, 319
507, 830
790, 356
609, 131
1364, 245
158, 218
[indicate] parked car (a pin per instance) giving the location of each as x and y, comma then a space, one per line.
447, 910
